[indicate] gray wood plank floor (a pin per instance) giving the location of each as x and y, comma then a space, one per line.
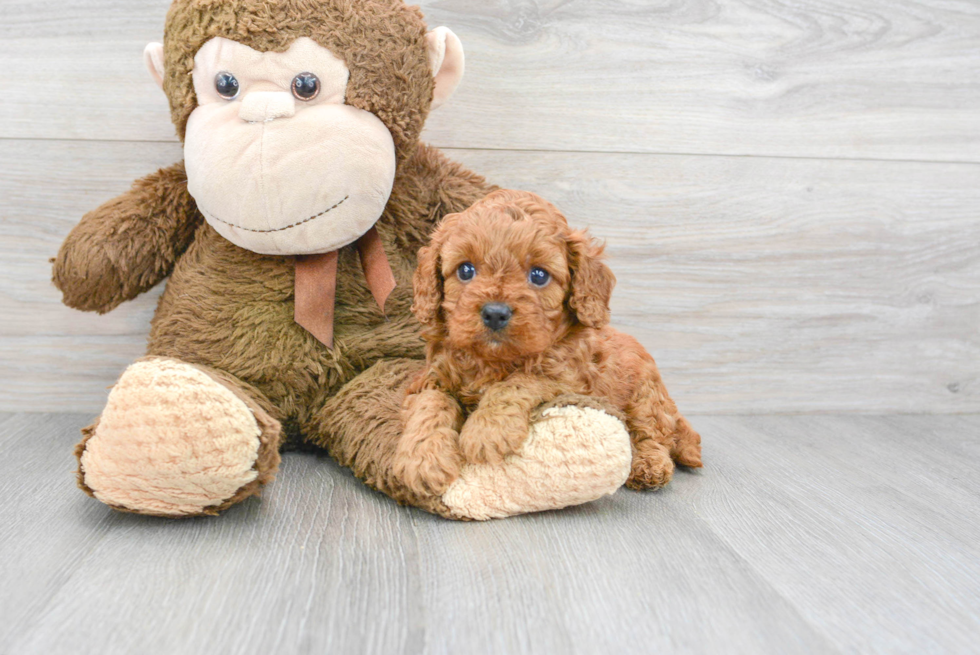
803, 534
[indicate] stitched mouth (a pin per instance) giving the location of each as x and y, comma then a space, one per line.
211, 216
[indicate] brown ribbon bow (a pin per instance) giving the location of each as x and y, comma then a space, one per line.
316, 284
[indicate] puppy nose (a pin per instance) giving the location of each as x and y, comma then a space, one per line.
496, 315
261, 106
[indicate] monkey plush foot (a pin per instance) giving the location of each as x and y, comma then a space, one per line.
574, 454
177, 440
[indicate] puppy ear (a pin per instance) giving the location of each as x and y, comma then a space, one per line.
592, 280
427, 283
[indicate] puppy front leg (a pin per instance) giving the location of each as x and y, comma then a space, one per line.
499, 425
427, 459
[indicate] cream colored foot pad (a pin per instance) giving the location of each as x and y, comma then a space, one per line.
170, 441
573, 455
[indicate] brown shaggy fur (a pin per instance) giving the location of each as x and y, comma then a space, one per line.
381, 41
556, 342
230, 310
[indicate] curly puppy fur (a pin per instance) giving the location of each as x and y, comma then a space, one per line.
556, 341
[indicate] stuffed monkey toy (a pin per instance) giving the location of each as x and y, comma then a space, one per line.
289, 233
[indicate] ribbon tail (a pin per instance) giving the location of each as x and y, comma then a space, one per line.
316, 290
377, 270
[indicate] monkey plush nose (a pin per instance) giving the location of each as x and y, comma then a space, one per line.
496, 315
262, 106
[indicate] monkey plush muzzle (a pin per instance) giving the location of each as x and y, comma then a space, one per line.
277, 173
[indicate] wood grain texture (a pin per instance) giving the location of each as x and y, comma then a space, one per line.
635, 573
815, 534
319, 565
883, 79
821, 506
760, 285
48, 528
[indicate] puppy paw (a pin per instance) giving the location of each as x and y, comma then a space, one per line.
429, 468
487, 438
651, 469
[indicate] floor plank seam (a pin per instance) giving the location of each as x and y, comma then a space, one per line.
568, 151
762, 578
80, 557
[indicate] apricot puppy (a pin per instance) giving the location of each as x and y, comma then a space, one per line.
515, 306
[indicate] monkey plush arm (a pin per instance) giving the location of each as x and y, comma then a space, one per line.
129, 244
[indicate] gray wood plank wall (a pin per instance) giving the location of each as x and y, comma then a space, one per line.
790, 191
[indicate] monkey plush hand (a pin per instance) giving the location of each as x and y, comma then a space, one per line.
289, 233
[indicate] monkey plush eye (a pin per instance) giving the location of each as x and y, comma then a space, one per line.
466, 272
538, 277
306, 86
226, 85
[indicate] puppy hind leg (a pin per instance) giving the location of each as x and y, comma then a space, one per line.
653, 401
651, 428
652, 465
687, 444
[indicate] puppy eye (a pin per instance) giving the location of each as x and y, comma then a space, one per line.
466, 272
226, 85
306, 86
538, 277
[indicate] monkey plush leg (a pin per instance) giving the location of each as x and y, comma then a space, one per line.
178, 440
574, 453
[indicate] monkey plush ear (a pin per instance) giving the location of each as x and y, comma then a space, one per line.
447, 63
153, 58
592, 281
